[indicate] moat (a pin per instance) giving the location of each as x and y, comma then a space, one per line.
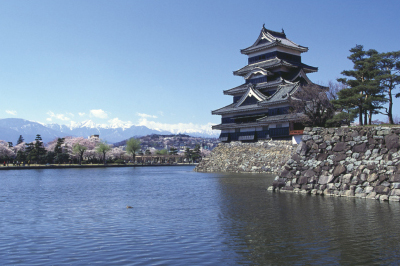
181, 217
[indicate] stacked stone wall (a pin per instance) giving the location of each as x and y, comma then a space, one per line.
258, 157
354, 162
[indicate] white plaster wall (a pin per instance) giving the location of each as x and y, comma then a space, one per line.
273, 49
248, 129
258, 75
228, 131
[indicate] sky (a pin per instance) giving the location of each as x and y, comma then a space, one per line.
165, 64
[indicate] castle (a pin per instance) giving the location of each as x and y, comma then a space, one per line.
260, 108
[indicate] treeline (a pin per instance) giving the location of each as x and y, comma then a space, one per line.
81, 150
364, 91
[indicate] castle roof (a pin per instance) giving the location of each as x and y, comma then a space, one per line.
242, 88
280, 96
271, 63
269, 38
291, 77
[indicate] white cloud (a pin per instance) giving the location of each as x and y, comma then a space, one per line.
11, 112
179, 128
81, 114
146, 115
98, 113
71, 114
48, 119
57, 116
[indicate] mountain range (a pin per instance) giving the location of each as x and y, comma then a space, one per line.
12, 128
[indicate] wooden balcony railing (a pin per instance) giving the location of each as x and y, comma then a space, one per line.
296, 132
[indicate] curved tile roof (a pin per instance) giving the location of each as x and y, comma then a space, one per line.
269, 38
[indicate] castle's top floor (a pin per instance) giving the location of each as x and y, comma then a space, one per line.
272, 41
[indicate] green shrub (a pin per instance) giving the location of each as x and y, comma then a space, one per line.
119, 161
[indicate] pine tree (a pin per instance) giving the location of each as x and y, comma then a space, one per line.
389, 77
58, 148
363, 94
196, 154
20, 139
188, 154
30, 151
35, 150
173, 151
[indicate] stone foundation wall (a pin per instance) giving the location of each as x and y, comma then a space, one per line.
354, 162
260, 157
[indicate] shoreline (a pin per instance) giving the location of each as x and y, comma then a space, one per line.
85, 166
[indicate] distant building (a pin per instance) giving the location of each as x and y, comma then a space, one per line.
94, 137
260, 108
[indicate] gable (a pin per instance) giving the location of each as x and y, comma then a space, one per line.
252, 96
250, 100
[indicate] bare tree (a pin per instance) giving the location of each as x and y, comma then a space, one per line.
313, 104
333, 89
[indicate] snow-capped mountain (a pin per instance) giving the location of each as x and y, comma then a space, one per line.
11, 128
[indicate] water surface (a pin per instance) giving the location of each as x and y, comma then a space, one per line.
180, 217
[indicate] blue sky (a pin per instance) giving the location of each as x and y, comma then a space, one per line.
164, 63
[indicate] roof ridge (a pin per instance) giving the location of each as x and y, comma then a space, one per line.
274, 32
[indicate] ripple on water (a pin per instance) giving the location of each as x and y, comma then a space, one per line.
179, 217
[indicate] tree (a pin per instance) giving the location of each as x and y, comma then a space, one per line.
20, 156
362, 93
20, 139
132, 146
173, 151
334, 88
188, 154
344, 117
79, 149
19, 150
39, 150
61, 158
103, 148
117, 153
50, 156
389, 78
196, 154
312, 103
58, 147
30, 151
6, 152
162, 152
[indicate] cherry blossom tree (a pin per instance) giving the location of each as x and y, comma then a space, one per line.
117, 153
204, 152
6, 152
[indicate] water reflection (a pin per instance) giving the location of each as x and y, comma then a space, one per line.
180, 217
280, 228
